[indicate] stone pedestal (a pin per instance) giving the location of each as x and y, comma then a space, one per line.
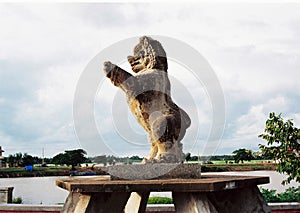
6, 194
154, 171
208, 194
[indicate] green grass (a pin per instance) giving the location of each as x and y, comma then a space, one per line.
221, 166
12, 169
245, 162
236, 167
160, 200
37, 171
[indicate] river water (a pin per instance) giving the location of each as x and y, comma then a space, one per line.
42, 190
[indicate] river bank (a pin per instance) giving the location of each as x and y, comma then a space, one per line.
48, 172
66, 171
238, 167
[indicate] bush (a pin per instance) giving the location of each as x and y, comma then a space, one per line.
291, 194
160, 200
17, 200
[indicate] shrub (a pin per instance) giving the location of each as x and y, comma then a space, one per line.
291, 194
160, 200
17, 200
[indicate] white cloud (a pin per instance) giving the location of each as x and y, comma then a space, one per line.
253, 48
252, 123
247, 127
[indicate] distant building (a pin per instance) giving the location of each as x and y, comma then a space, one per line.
1, 157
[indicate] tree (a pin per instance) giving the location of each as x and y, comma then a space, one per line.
18, 158
101, 159
135, 158
282, 146
59, 159
187, 156
242, 155
11, 160
15, 160
27, 160
76, 157
70, 157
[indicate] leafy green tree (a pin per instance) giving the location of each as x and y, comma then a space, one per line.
135, 158
242, 155
27, 160
60, 159
282, 146
15, 159
70, 157
11, 160
187, 156
47, 160
18, 158
194, 158
76, 157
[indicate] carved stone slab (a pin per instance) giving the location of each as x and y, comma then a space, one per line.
154, 171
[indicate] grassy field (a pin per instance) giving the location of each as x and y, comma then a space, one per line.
237, 167
222, 166
221, 162
216, 166
37, 171
41, 169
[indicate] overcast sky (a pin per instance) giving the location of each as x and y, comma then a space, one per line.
254, 50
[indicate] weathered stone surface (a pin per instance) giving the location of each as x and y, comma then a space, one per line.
154, 171
105, 202
247, 199
149, 99
207, 183
212, 193
6, 194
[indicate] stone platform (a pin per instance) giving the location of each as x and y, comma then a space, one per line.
208, 194
154, 171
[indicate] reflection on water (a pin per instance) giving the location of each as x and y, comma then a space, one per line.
36, 190
42, 190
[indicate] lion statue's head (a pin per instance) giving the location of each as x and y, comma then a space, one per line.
148, 54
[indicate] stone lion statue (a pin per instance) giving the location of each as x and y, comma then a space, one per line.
149, 99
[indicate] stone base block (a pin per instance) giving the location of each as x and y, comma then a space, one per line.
154, 171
